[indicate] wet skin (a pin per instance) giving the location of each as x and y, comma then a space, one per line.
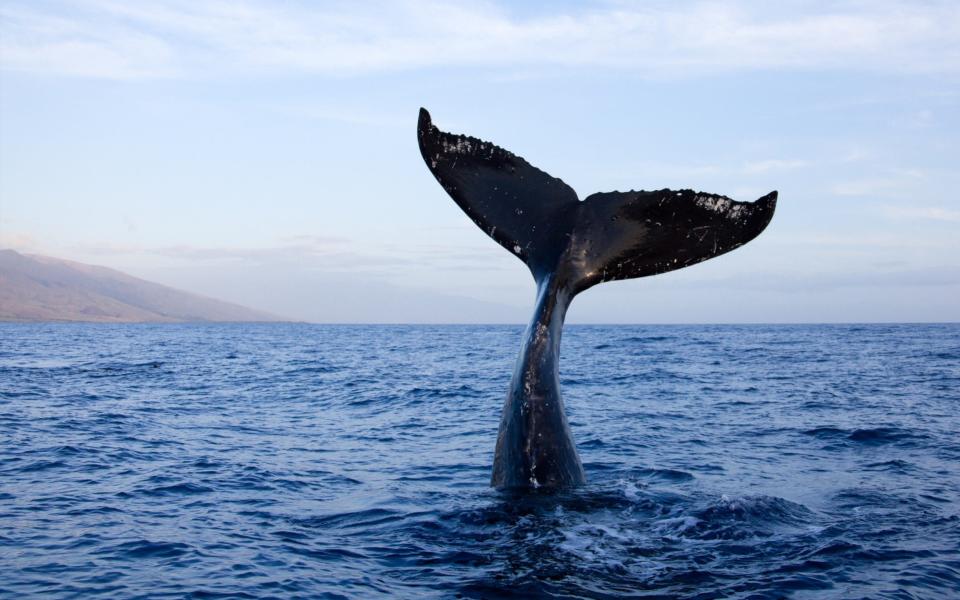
570, 245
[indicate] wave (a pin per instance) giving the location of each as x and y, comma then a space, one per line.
868, 436
749, 461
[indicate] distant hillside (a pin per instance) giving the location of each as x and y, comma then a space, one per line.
40, 288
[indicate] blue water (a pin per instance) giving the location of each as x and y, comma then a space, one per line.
353, 462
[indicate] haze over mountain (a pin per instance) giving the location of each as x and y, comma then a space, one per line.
42, 288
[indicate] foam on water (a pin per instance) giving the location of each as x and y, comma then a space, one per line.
298, 460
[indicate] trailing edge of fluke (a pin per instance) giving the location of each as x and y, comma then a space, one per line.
570, 245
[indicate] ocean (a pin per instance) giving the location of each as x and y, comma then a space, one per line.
295, 460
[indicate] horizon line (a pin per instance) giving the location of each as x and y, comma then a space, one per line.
464, 324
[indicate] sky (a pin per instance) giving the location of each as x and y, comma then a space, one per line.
265, 152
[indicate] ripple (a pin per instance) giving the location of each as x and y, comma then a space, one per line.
868, 436
312, 461
667, 475
179, 489
884, 435
145, 549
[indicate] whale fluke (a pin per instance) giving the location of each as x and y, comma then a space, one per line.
570, 245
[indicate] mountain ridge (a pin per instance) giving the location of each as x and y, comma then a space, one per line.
43, 288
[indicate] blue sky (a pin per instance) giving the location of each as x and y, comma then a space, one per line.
265, 152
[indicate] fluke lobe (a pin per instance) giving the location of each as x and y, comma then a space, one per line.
570, 245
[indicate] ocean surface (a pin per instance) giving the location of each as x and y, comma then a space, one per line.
292, 460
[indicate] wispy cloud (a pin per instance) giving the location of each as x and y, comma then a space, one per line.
866, 187
765, 166
20, 241
104, 38
351, 115
323, 253
750, 167
854, 240
928, 213
82, 44
328, 253
895, 182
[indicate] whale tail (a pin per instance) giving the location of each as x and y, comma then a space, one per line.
570, 245
605, 237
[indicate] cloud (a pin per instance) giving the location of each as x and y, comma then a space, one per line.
20, 241
869, 241
319, 253
332, 254
865, 187
176, 38
81, 45
895, 183
680, 170
351, 115
764, 166
928, 213
333, 279
818, 281
894, 278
